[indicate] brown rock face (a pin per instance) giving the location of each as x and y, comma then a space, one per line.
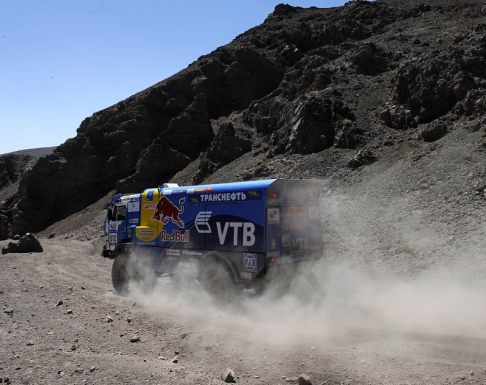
305, 81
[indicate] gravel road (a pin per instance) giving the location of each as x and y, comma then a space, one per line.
61, 323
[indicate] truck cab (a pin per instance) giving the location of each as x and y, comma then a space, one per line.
122, 213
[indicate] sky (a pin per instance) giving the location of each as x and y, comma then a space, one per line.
63, 60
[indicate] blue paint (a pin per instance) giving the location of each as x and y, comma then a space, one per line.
249, 223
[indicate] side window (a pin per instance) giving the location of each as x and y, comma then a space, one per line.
120, 215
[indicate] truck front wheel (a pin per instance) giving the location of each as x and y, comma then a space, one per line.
127, 268
119, 273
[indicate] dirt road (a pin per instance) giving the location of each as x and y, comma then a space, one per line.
61, 323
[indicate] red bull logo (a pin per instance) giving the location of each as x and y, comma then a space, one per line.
175, 236
165, 210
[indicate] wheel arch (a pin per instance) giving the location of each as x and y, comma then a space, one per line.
121, 249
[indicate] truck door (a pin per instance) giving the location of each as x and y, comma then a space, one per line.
120, 216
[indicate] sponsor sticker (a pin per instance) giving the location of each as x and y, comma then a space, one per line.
250, 262
286, 240
222, 197
245, 275
166, 210
237, 233
192, 253
273, 215
175, 236
174, 252
133, 206
146, 232
202, 222
112, 238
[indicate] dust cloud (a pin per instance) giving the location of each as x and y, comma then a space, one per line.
388, 267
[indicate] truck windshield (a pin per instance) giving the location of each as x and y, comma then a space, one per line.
111, 213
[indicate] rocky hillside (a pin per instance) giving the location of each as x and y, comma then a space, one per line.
343, 84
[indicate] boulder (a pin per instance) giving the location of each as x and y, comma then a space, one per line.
228, 376
28, 243
304, 379
433, 132
135, 338
362, 158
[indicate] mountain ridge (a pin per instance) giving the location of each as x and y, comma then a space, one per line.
344, 83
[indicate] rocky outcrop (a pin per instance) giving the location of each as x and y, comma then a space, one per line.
433, 85
303, 125
226, 146
306, 81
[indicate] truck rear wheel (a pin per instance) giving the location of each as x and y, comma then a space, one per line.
217, 280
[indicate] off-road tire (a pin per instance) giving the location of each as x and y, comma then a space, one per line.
125, 270
119, 273
216, 278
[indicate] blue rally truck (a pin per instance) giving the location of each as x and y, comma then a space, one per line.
238, 233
